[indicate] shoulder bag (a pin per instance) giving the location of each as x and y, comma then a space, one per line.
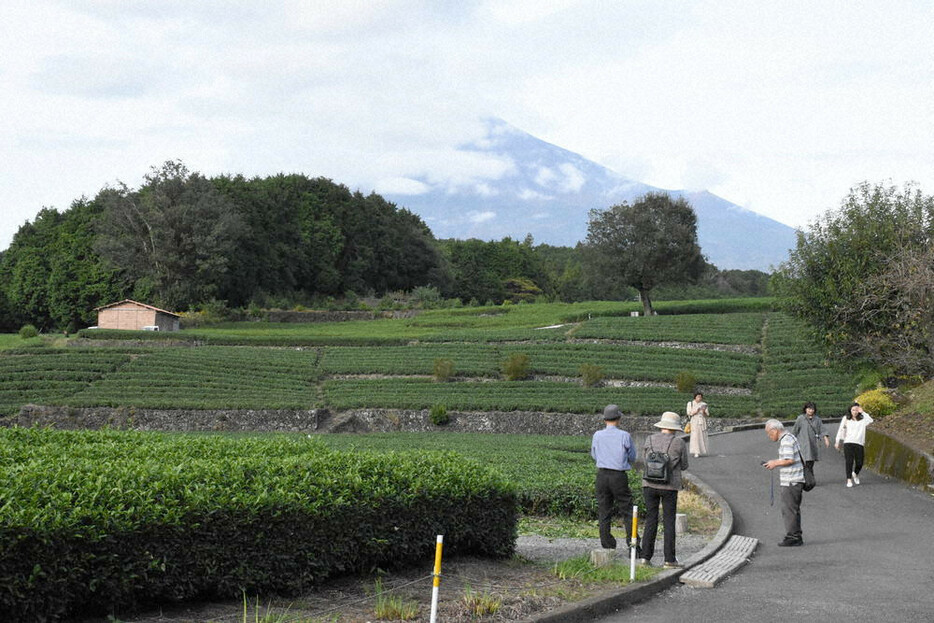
809, 480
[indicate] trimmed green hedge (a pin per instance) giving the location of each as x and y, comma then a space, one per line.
96, 520
217, 338
671, 308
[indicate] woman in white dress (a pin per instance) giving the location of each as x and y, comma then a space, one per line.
698, 412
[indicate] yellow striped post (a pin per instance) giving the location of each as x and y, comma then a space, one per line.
635, 526
634, 543
437, 579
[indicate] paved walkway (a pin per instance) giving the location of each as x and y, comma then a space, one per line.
868, 552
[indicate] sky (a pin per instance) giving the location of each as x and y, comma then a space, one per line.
780, 107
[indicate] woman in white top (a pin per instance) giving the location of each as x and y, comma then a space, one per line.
697, 411
852, 433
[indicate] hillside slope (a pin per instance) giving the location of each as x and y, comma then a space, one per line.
913, 424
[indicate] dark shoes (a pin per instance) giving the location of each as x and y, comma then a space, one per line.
791, 542
673, 565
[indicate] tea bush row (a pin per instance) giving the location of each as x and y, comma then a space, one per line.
617, 361
744, 328
93, 521
208, 377
666, 308
518, 396
553, 475
50, 376
794, 371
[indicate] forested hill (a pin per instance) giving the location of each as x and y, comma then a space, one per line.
182, 239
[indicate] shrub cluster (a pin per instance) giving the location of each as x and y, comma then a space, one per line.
442, 369
877, 403
592, 375
439, 415
93, 521
685, 382
516, 367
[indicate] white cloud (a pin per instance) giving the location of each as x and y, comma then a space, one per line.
527, 194
485, 190
480, 217
781, 107
545, 176
401, 186
573, 178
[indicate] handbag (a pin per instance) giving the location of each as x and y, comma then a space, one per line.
657, 468
809, 480
687, 428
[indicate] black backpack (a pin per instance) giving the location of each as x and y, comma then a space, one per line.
657, 465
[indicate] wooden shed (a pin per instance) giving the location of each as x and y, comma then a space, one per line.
134, 316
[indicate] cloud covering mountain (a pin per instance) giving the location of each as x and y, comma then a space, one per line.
533, 187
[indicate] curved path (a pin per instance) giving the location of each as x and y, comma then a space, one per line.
868, 552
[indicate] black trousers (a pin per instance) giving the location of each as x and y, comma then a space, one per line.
791, 510
613, 495
853, 454
668, 498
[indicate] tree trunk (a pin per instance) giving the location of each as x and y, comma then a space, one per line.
646, 302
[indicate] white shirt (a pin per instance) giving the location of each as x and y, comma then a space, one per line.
854, 431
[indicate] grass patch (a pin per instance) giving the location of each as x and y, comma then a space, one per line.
580, 568
393, 607
558, 528
480, 604
703, 515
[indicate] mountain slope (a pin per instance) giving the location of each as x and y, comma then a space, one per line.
548, 191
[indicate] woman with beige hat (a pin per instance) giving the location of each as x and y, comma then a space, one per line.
664, 492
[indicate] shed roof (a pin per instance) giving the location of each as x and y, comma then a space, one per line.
136, 303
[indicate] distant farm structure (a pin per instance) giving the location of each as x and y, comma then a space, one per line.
134, 316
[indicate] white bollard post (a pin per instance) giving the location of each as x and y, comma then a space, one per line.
437, 579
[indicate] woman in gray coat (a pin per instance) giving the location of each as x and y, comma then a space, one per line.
809, 430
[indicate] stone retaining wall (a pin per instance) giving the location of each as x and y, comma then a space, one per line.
130, 418
889, 456
325, 421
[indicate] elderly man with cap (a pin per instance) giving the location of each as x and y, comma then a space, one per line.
664, 493
613, 450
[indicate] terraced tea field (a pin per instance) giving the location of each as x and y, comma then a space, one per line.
749, 364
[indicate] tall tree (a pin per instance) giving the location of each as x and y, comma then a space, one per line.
173, 238
651, 242
861, 277
50, 274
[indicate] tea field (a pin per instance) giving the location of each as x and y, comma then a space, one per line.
749, 361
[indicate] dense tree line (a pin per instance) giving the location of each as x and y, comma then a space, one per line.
182, 241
